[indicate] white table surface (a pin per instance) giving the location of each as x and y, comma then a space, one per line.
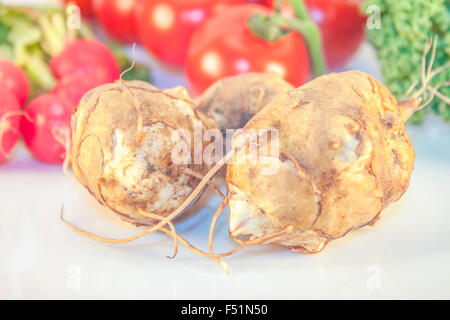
406, 255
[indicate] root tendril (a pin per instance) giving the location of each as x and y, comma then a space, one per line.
413, 102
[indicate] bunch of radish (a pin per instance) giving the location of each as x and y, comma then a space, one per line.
45, 120
14, 88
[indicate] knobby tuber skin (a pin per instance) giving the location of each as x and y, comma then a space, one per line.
231, 102
122, 143
344, 157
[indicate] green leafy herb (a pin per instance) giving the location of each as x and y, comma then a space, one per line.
405, 28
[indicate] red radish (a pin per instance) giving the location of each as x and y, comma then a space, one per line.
83, 55
46, 127
73, 87
84, 5
9, 122
15, 79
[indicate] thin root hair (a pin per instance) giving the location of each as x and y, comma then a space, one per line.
422, 97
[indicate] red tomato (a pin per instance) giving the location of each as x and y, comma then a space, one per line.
9, 121
14, 79
342, 26
224, 46
85, 6
166, 26
45, 126
117, 17
82, 56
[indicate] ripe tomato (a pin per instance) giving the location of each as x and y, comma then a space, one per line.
85, 6
84, 55
117, 17
166, 26
341, 23
225, 46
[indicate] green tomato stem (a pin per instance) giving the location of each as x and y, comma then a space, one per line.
309, 30
311, 35
300, 9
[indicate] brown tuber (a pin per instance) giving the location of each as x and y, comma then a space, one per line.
231, 102
343, 155
122, 144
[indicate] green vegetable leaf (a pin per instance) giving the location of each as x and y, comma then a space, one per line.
6, 52
405, 28
25, 34
4, 31
39, 72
